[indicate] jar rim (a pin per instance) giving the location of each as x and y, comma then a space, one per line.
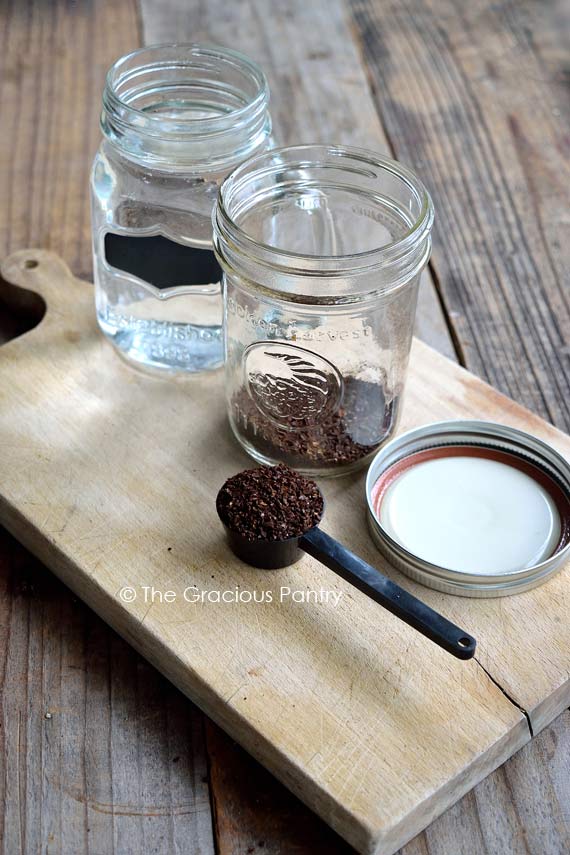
160, 125
405, 248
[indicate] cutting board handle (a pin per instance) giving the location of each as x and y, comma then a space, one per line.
43, 273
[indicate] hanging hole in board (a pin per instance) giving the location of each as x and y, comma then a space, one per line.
31, 263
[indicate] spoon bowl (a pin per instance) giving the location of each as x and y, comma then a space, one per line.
263, 554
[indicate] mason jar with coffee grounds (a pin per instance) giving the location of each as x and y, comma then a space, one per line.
321, 249
176, 120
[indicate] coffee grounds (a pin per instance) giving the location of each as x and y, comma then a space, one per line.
270, 503
352, 432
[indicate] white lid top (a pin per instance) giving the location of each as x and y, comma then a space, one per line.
471, 514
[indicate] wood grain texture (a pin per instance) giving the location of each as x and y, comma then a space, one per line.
475, 95
254, 813
521, 809
99, 752
319, 90
117, 501
52, 68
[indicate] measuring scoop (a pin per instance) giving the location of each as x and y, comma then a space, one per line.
274, 554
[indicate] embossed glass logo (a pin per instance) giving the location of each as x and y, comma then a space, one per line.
291, 385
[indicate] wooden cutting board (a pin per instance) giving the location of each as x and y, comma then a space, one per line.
109, 477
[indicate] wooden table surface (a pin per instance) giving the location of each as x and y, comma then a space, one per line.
474, 97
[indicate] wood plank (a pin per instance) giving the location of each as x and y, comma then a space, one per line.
475, 95
331, 700
52, 69
100, 753
319, 91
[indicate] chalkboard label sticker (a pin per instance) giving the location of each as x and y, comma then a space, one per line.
161, 262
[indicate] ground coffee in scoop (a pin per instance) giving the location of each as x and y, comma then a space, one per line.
270, 503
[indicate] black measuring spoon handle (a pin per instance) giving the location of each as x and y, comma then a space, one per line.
382, 590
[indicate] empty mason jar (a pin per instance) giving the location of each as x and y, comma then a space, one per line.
176, 120
321, 249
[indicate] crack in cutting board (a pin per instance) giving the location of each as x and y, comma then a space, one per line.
109, 477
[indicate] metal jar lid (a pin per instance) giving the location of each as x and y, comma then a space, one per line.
475, 440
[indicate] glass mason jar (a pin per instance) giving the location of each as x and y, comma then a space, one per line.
176, 120
321, 249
